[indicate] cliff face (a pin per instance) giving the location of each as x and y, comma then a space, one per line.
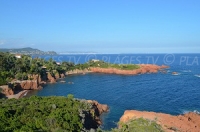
189, 122
92, 119
35, 82
27, 84
144, 68
99, 108
6, 90
50, 78
32, 84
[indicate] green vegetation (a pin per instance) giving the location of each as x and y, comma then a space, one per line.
42, 114
139, 125
19, 68
28, 51
58, 113
103, 64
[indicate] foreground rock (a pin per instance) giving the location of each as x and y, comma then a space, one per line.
92, 119
144, 68
189, 122
18, 95
5, 90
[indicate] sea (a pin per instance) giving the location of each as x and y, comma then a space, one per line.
161, 92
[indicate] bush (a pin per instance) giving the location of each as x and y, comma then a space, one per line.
42, 114
19, 76
139, 125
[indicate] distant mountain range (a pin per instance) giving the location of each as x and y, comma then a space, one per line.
28, 51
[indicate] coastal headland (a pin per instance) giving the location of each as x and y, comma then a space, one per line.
189, 122
142, 69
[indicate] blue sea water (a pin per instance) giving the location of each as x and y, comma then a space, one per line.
167, 93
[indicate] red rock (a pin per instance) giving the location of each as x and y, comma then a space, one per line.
6, 90
98, 109
34, 83
144, 68
101, 107
183, 123
51, 78
29, 84
57, 75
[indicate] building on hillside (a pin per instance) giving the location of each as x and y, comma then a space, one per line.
18, 56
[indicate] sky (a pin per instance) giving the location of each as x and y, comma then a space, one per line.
102, 26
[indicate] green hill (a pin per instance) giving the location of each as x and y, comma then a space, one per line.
28, 51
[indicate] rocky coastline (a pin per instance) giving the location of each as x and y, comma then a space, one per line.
36, 82
189, 122
144, 68
17, 89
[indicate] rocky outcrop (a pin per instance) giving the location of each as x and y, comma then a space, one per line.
62, 75
175, 73
57, 76
51, 79
6, 90
35, 77
144, 68
33, 84
27, 84
91, 119
189, 122
77, 71
18, 95
101, 108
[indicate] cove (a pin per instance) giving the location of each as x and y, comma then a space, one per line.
150, 92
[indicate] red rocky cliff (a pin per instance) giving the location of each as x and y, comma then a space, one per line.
144, 68
189, 122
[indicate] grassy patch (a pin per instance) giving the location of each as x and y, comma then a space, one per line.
139, 125
103, 64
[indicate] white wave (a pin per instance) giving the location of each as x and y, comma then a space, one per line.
186, 71
187, 111
196, 111
25, 93
197, 75
176, 74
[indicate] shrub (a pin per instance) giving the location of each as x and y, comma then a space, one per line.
139, 125
42, 114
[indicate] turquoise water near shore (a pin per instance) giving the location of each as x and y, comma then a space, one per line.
173, 94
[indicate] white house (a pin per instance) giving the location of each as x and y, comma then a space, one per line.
18, 56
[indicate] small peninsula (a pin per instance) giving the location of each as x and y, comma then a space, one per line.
126, 69
189, 122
